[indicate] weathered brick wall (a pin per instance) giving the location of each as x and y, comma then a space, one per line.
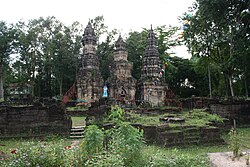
197, 102
179, 136
240, 111
34, 120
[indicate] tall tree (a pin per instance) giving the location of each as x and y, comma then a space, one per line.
213, 32
6, 48
136, 45
29, 49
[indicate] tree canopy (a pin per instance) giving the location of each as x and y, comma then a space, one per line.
219, 30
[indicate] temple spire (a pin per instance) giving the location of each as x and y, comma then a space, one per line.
151, 61
152, 41
152, 88
120, 44
89, 36
89, 79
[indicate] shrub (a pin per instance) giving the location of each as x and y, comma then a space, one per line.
117, 114
234, 142
126, 141
93, 141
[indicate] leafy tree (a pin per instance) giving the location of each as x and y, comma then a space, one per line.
105, 55
105, 48
136, 44
215, 30
48, 55
184, 80
100, 28
217, 83
6, 48
28, 44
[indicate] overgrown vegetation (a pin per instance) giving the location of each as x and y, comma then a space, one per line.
234, 143
121, 145
195, 117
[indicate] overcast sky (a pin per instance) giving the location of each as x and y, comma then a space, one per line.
124, 15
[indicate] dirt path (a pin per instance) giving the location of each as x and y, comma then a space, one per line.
224, 159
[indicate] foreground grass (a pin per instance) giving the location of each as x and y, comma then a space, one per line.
7, 145
151, 155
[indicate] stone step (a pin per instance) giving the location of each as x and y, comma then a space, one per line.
76, 133
76, 137
78, 127
77, 130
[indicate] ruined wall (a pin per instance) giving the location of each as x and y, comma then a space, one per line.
34, 120
181, 136
238, 110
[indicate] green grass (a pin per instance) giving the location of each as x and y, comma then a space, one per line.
196, 117
78, 121
7, 145
142, 119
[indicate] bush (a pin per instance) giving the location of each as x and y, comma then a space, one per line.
234, 142
126, 141
117, 114
93, 141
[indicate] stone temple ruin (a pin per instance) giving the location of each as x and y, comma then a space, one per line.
121, 84
151, 86
89, 80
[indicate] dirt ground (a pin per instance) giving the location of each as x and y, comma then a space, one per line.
224, 159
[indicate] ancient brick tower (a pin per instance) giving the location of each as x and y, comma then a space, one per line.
89, 80
151, 87
121, 83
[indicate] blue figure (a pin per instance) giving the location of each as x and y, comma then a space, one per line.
105, 91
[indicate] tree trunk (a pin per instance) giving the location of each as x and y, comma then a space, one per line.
231, 85
246, 87
1, 82
209, 81
245, 82
33, 82
226, 84
60, 87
